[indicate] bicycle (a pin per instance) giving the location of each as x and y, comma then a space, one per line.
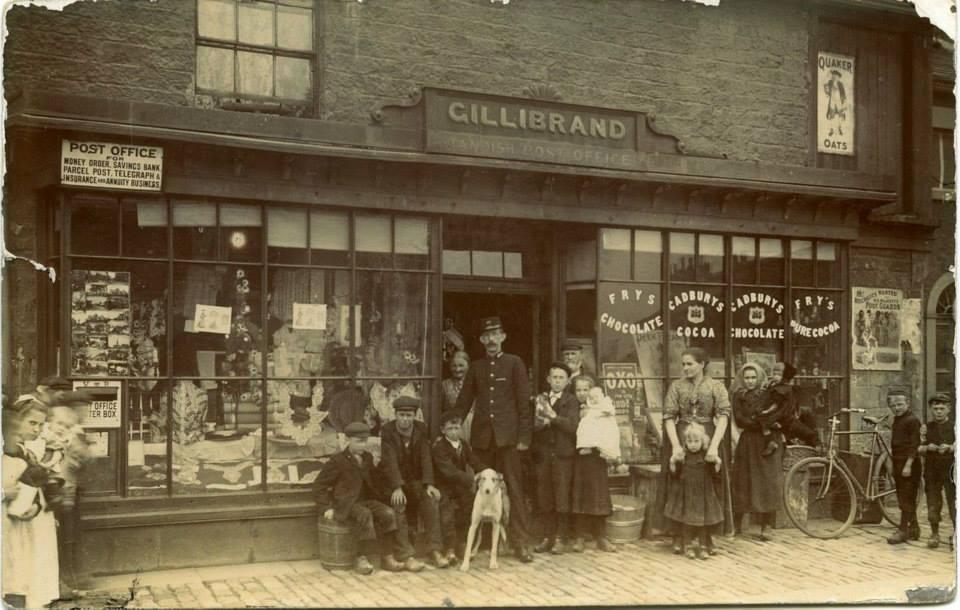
821, 493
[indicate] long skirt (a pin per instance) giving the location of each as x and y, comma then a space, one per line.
757, 479
591, 489
30, 560
665, 524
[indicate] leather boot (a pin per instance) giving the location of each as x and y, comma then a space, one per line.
362, 565
390, 563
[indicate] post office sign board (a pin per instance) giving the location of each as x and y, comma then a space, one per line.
113, 166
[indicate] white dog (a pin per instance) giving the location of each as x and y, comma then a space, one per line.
490, 505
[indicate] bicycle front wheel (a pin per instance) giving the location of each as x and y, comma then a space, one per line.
818, 499
885, 490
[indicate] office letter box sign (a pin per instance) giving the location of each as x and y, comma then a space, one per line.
110, 165
528, 129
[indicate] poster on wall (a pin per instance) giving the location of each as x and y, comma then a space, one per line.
876, 329
100, 323
910, 319
835, 104
622, 386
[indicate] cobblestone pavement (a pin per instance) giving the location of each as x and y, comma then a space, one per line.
791, 569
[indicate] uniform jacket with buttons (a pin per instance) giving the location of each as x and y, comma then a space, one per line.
559, 437
399, 466
499, 390
342, 482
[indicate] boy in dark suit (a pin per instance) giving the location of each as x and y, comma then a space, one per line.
454, 466
554, 447
938, 450
904, 443
407, 468
345, 491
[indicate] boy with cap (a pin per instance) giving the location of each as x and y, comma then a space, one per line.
455, 466
345, 490
938, 451
904, 443
407, 468
554, 448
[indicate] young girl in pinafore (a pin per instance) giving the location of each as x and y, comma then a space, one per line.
693, 499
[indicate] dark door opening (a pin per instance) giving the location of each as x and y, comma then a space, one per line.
518, 312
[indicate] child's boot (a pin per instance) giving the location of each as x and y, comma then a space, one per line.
362, 565
389, 563
577, 545
934, 541
901, 535
914, 531
605, 545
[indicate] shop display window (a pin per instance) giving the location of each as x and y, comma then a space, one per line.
801, 262
615, 254
759, 326
682, 257
268, 354
496, 248
697, 319
580, 260
94, 228
770, 268
828, 265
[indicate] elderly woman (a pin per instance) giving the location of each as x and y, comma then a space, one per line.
757, 478
693, 398
451, 386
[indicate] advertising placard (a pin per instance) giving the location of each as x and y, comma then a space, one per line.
110, 165
876, 329
835, 104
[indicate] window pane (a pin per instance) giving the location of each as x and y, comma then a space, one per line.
256, 73
801, 253
630, 315
95, 228
329, 238
648, 249
615, 254
681, 256
145, 228
306, 345
697, 319
581, 311
771, 262
294, 28
486, 264
293, 78
711, 258
287, 235
146, 439
372, 238
456, 262
744, 260
215, 69
759, 328
224, 411
580, 260
256, 23
828, 265
392, 337
216, 19
241, 234
221, 340
411, 242
194, 230
816, 332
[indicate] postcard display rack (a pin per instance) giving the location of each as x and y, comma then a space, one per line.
215, 425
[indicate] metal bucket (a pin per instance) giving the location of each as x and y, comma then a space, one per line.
626, 522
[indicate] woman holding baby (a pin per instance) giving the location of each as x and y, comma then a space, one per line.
694, 398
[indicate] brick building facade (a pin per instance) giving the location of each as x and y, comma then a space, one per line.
382, 160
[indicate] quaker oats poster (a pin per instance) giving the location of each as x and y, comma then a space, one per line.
876, 329
835, 104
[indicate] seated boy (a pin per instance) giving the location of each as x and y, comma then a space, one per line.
780, 411
455, 466
938, 451
407, 469
904, 443
346, 492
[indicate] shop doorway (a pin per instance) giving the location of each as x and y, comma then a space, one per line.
520, 314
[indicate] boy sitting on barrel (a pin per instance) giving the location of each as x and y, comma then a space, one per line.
346, 492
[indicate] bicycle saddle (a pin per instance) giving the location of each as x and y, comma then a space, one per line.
872, 420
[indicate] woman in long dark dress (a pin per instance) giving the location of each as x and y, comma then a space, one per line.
695, 397
757, 478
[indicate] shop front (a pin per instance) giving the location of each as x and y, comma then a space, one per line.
234, 297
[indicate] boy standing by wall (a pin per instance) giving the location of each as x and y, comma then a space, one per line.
938, 451
904, 443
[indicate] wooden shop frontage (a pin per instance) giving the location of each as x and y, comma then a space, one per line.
235, 287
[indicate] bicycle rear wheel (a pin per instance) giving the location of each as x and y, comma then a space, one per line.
886, 489
818, 499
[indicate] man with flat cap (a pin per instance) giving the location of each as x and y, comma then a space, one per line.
407, 469
498, 388
50, 390
571, 353
346, 492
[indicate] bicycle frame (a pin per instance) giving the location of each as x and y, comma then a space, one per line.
878, 447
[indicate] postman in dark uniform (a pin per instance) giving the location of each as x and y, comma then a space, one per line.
498, 388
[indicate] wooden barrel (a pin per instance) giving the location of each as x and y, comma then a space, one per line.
626, 522
337, 548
